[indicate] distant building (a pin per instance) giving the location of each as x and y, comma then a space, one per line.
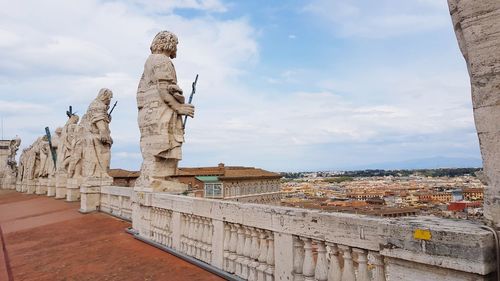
473, 194
123, 177
243, 184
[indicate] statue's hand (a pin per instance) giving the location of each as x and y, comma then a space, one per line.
186, 109
106, 138
174, 89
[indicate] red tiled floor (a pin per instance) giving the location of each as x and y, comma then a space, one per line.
47, 239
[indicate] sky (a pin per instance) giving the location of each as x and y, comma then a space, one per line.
284, 85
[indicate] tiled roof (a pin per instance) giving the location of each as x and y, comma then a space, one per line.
120, 173
228, 172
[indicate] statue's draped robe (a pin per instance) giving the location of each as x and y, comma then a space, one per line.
96, 154
162, 133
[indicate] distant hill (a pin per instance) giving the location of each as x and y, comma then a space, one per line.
425, 163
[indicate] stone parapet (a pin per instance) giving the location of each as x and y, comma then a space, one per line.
252, 240
73, 189
41, 186
61, 182
117, 201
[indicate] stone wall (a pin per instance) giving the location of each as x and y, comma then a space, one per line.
255, 241
477, 27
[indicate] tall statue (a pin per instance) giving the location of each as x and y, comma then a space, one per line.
13, 148
51, 166
161, 106
65, 146
96, 136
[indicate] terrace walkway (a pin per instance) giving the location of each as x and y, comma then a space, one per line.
47, 239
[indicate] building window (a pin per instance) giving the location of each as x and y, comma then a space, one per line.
213, 190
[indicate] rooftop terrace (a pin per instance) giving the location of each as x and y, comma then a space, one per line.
47, 239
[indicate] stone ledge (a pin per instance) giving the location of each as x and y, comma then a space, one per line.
458, 245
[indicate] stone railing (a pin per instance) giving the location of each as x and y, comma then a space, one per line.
116, 201
260, 242
263, 198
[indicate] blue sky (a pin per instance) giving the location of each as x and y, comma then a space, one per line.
284, 85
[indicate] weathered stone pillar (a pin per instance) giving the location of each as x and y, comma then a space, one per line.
284, 253
218, 244
73, 188
477, 27
89, 189
61, 181
90, 198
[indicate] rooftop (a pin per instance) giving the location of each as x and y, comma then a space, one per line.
47, 239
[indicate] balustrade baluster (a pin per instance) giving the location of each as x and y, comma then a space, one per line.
233, 242
183, 233
308, 268
153, 225
170, 229
348, 272
227, 238
261, 269
270, 257
254, 255
298, 259
321, 272
379, 271
190, 236
363, 274
239, 250
199, 236
209, 241
334, 270
247, 251
161, 227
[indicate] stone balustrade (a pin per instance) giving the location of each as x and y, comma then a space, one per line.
261, 242
116, 201
196, 237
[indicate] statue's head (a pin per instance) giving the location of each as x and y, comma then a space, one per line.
105, 95
59, 131
165, 42
73, 119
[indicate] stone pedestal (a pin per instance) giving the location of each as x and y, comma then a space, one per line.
90, 192
61, 181
9, 181
24, 186
41, 186
73, 189
19, 186
51, 187
90, 199
31, 186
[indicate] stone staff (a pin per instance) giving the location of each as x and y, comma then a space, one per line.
52, 150
193, 91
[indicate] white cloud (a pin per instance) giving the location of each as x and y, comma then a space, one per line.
379, 19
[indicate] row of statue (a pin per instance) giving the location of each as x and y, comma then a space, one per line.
81, 149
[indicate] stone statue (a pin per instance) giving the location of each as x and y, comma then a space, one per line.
44, 155
161, 106
51, 166
10, 174
64, 149
13, 148
76, 157
96, 136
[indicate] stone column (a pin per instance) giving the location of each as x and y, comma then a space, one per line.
73, 188
283, 255
477, 25
61, 181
